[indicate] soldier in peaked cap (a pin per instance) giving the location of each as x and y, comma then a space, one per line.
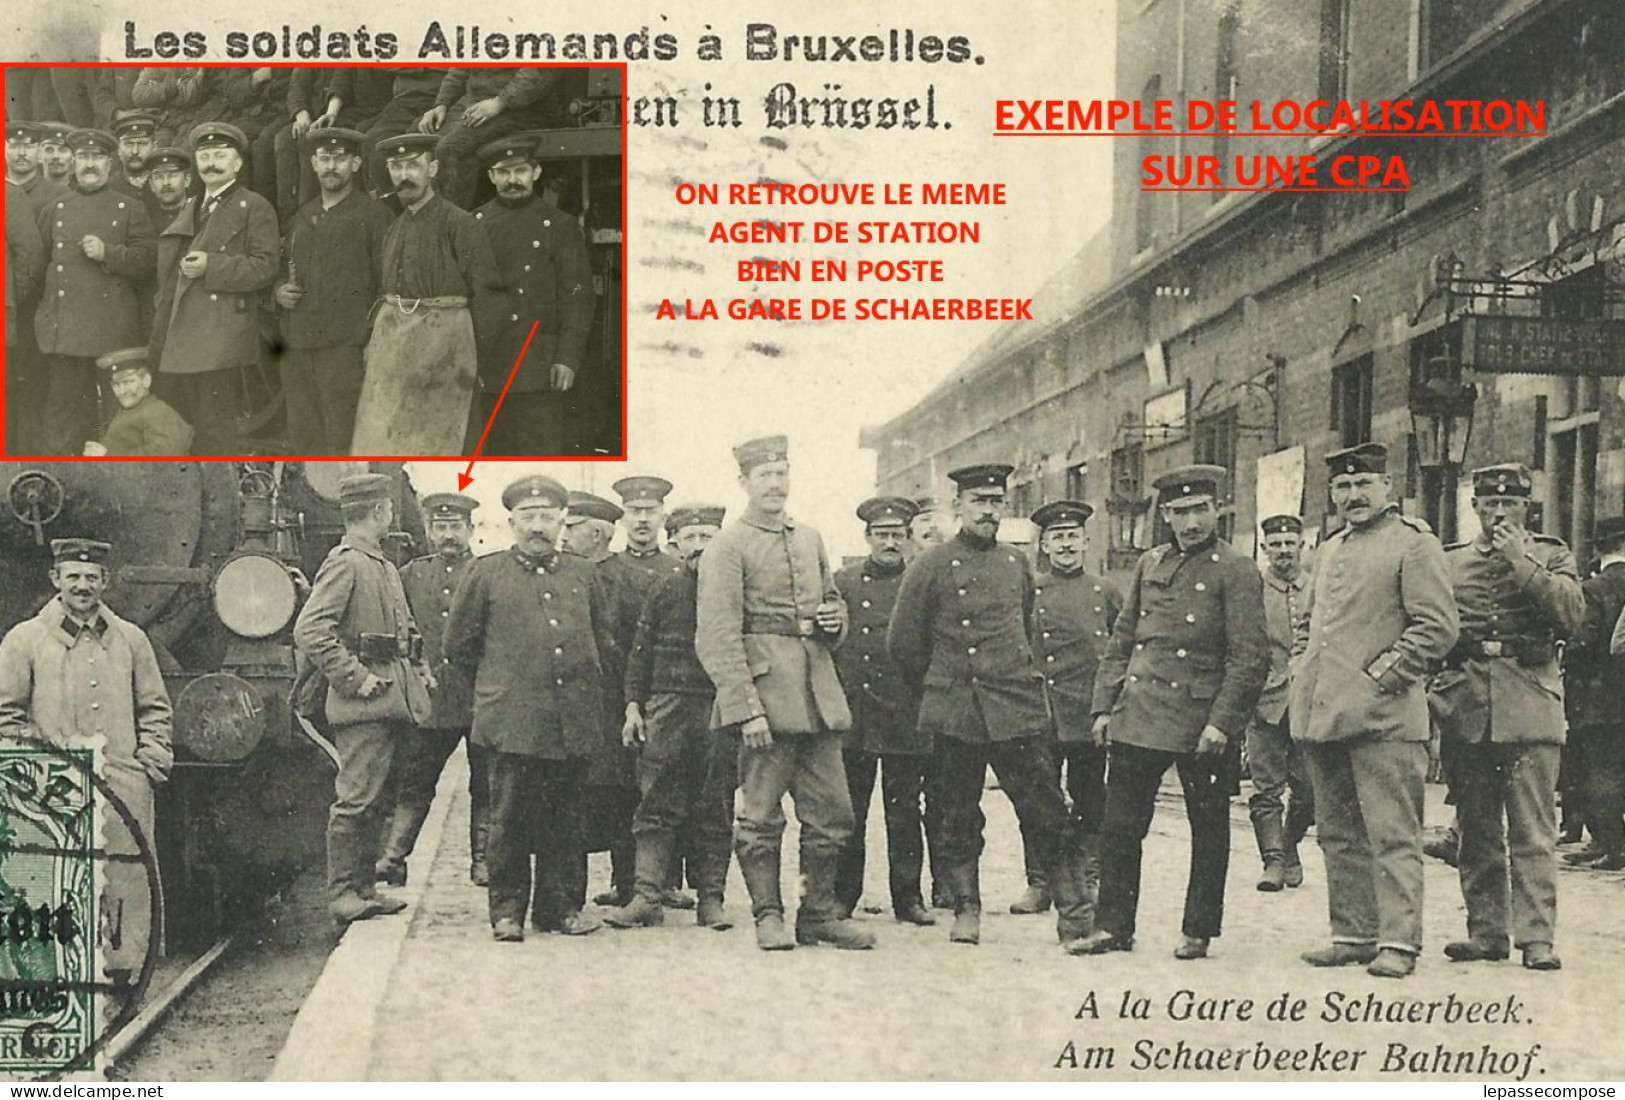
1074, 611
359, 631
335, 260
686, 771
546, 279
960, 634
168, 181
214, 261
101, 249
538, 705
1380, 614
1499, 702
769, 614
430, 583
926, 528
55, 158
23, 168
143, 424
1179, 681
135, 134
77, 674
1277, 765
885, 735
437, 273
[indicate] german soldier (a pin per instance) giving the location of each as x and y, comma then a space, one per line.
686, 772
1500, 698
1380, 614
1591, 691
1180, 678
768, 615
358, 630
885, 733
1282, 805
430, 583
533, 626
961, 628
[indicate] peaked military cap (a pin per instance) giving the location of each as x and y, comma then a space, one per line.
1366, 458
449, 506
1189, 482
170, 156
335, 139
137, 124
22, 129
516, 146
407, 146
639, 490
216, 135
124, 359
365, 489
592, 506
1275, 525
927, 504
694, 515
1508, 479
759, 452
54, 132
983, 475
80, 550
878, 510
1062, 513
535, 488
99, 140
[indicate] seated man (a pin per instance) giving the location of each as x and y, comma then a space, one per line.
144, 424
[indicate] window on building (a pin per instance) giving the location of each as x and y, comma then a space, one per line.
1226, 78
1127, 508
1145, 229
1351, 400
1077, 481
1334, 49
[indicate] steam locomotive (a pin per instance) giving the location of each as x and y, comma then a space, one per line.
211, 560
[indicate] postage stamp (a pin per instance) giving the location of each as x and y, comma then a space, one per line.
61, 887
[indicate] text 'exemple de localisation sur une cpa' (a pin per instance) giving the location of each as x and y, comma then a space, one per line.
1320, 119
829, 245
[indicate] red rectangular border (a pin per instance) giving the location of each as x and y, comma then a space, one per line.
625, 228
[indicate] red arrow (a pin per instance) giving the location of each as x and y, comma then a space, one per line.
467, 476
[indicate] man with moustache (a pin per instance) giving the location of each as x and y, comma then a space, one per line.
335, 256
206, 332
1074, 612
1179, 680
100, 249
487, 103
686, 771
23, 164
960, 634
768, 616
431, 582
1380, 615
168, 182
421, 361
885, 736
928, 527
546, 275
55, 158
1282, 805
1499, 700
136, 143
533, 626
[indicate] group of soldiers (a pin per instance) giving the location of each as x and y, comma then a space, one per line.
192, 233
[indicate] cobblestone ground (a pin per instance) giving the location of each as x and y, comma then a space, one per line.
684, 1003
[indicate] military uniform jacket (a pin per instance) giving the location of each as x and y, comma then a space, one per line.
1381, 614
430, 582
535, 632
1591, 675
1501, 682
960, 629
546, 277
884, 703
761, 581
662, 661
358, 591
1073, 617
1189, 649
614, 764
1284, 601
89, 308
211, 323
149, 427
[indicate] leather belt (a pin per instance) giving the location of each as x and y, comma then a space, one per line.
411, 305
783, 627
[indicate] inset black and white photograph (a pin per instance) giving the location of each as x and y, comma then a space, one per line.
314, 261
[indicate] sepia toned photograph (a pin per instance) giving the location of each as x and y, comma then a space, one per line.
398, 251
